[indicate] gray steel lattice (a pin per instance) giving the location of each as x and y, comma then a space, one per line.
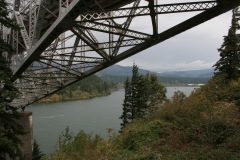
63, 41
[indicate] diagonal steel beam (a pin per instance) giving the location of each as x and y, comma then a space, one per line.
89, 42
77, 40
125, 27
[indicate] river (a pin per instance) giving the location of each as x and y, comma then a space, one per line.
92, 115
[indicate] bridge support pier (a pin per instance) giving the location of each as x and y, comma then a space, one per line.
27, 139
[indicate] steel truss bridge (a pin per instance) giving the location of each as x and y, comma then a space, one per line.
64, 41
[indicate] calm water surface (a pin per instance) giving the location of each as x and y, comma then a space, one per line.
92, 116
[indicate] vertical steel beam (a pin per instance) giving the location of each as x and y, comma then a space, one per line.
14, 57
153, 17
34, 5
156, 17
63, 5
78, 32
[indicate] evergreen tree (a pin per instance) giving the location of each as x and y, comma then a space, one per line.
127, 104
179, 97
138, 94
229, 63
7, 22
143, 95
9, 129
36, 154
156, 93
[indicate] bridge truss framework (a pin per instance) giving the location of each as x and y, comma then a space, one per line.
63, 41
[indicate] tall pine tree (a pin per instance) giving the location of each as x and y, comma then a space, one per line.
37, 153
139, 100
156, 93
127, 103
9, 129
143, 95
229, 63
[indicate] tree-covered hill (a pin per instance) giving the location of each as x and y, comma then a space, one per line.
118, 74
167, 81
87, 88
203, 73
118, 70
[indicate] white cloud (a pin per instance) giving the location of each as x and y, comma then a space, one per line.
198, 64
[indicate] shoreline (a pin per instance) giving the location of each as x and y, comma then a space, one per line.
82, 98
100, 95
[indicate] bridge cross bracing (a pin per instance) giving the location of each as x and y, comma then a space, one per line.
63, 41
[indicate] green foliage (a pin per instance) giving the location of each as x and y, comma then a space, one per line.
156, 93
126, 115
9, 129
79, 147
37, 153
182, 81
230, 53
203, 126
87, 88
7, 22
167, 81
143, 96
140, 136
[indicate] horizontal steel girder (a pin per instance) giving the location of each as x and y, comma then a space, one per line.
143, 11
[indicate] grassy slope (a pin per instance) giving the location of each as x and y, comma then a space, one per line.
204, 126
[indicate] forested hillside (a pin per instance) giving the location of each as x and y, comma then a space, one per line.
118, 74
167, 81
87, 88
182, 81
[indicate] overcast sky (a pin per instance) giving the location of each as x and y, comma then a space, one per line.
191, 50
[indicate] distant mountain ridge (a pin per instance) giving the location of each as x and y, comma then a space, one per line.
203, 73
117, 70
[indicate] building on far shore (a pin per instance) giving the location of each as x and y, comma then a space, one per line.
192, 85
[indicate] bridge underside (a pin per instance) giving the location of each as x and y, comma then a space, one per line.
61, 42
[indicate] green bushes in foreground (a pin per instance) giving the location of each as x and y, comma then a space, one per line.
206, 125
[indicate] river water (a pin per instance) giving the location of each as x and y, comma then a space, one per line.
93, 116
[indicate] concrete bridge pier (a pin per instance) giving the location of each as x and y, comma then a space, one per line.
27, 139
